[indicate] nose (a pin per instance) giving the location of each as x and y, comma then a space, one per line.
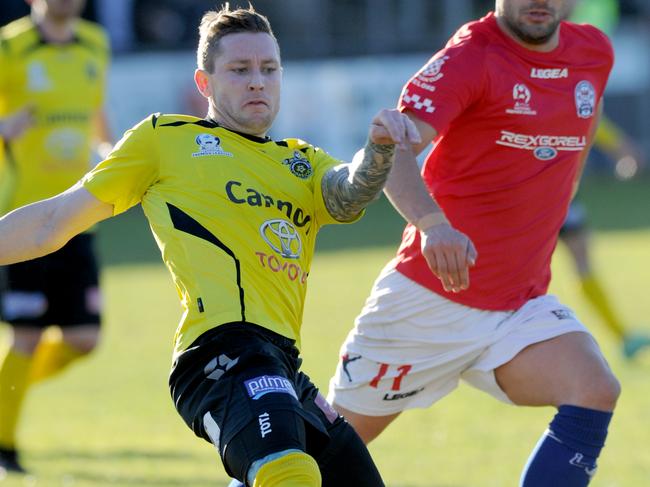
256, 81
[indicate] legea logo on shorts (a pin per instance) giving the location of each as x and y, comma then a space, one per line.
266, 384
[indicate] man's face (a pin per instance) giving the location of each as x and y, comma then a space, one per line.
533, 21
245, 85
63, 9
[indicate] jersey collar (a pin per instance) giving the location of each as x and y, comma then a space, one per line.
210, 123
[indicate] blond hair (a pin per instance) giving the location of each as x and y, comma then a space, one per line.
216, 24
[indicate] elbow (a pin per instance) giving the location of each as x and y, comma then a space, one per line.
48, 239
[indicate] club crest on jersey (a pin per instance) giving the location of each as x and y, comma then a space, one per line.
282, 237
37, 79
299, 165
585, 96
91, 71
521, 95
210, 145
431, 72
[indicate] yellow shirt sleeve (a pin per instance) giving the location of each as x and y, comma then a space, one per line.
128, 171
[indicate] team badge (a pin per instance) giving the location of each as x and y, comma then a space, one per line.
37, 79
521, 95
585, 96
91, 71
210, 145
299, 165
431, 72
282, 237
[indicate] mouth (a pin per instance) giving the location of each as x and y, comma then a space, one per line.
257, 103
538, 15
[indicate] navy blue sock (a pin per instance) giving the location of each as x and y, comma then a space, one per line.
566, 455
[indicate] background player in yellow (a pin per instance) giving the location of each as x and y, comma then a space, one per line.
235, 215
623, 152
52, 80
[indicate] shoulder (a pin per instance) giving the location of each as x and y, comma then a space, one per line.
586, 37
477, 35
18, 35
462, 54
159, 120
92, 35
298, 145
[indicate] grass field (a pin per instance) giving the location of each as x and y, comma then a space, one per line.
111, 422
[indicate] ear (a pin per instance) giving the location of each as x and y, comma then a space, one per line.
202, 83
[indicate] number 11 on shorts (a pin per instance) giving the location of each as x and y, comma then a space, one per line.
397, 381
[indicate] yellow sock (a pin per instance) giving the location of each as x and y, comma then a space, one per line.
292, 470
597, 297
52, 355
14, 370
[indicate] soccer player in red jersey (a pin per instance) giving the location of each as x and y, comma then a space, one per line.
510, 104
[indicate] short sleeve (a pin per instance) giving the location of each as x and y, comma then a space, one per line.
445, 86
128, 171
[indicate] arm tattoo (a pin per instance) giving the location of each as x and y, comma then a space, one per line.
349, 188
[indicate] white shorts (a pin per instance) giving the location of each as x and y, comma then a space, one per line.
410, 346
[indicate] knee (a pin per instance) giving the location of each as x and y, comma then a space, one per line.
601, 393
367, 427
84, 342
25, 342
289, 468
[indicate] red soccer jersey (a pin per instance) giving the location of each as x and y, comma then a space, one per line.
511, 124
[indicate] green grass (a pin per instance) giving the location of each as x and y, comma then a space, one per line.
110, 421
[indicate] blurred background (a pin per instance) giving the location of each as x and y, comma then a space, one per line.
344, 59
112, 423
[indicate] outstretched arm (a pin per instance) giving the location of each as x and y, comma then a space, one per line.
349, 188
448, 252
45, 226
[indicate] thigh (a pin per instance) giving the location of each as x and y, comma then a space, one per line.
567, 369
539, 320
245, 395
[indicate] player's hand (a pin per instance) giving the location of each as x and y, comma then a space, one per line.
450, 254
16, 124
391, 127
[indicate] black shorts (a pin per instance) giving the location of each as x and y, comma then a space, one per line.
57, 289
238, 386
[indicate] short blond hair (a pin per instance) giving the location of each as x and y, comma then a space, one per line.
216, 24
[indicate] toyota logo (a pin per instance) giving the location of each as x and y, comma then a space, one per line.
282, 237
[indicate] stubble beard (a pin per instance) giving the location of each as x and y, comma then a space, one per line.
534, 35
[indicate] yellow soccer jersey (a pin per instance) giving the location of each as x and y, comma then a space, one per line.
64, 86
235, 217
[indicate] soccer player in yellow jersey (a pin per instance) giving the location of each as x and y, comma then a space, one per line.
235, 215
52, 79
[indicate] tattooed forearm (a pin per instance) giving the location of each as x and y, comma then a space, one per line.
349, 188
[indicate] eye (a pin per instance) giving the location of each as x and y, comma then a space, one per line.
269, 69
239, 70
